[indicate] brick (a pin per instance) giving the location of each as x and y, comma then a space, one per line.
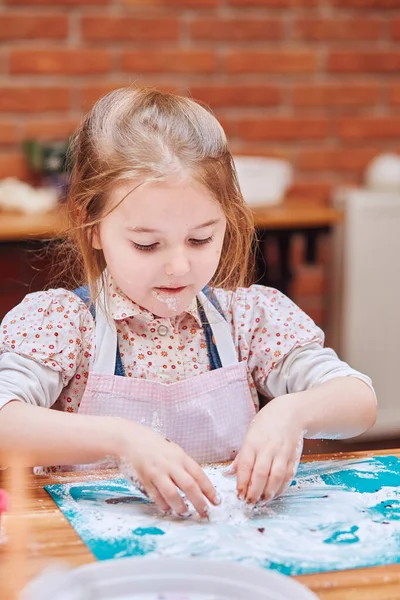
34, 99
395, 29
394, 94
283, 128
336, 159
51, 3
56, 130
278, 61
364, 128
10, 298
92, 92
60, 61
309, 281
336, 29
268, 149
378, 4
237, 30
13, 164
311, 192
107, 28
374, 61
225, 95
351, 179
324, 254
3, 60
11, 266
336, 94
227, 124
17, 25
169, 61
274, 3
8, 133
297, 250
205, 4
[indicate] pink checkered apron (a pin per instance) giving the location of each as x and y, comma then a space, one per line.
207, 415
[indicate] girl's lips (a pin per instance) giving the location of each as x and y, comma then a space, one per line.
165, 290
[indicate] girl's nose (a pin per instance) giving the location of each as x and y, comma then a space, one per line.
178, 265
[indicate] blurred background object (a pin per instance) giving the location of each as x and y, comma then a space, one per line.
366, 295
47, 162
383, 173
263, 180
20, 196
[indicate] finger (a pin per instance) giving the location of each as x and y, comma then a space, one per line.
245, 463
168, 490
192, 491
277, 477
231, 469
259, 478
203, 482
291, 471
156, 497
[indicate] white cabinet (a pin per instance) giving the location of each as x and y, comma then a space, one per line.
366, 297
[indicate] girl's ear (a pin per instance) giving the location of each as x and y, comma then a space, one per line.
96, 241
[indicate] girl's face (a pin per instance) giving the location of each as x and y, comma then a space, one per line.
163, 243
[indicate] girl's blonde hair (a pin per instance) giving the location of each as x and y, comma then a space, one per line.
143, 134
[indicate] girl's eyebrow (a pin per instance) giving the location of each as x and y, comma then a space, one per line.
149, 230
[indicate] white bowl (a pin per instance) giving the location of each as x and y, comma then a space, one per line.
166, 578
263, 181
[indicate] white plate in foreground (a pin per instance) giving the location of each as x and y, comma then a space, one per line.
165, 579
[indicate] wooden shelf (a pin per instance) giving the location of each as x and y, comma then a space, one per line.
296, 214
18, 226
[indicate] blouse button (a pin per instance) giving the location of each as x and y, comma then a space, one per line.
162, 330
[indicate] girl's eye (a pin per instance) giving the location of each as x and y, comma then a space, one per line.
151, 247
144, 248
201, 242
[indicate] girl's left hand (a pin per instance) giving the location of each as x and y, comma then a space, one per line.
271, 451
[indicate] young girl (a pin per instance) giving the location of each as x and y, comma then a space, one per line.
158, 363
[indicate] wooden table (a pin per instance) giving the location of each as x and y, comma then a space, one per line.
49, 536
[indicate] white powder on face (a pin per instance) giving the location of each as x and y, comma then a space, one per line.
171, 302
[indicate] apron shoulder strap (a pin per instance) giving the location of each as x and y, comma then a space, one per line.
212, 350
207, 291
84, 294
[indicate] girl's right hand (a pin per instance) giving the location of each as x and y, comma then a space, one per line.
160, 467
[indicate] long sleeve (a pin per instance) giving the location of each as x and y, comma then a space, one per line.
307, 367
43, 341
26, 380
283, 347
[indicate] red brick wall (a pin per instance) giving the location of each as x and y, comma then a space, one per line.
314, 81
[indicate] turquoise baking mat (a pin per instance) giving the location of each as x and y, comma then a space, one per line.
337, 514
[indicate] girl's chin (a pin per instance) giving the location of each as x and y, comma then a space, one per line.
169, 303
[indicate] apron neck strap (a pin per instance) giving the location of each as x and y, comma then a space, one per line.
106, 343
220, 332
